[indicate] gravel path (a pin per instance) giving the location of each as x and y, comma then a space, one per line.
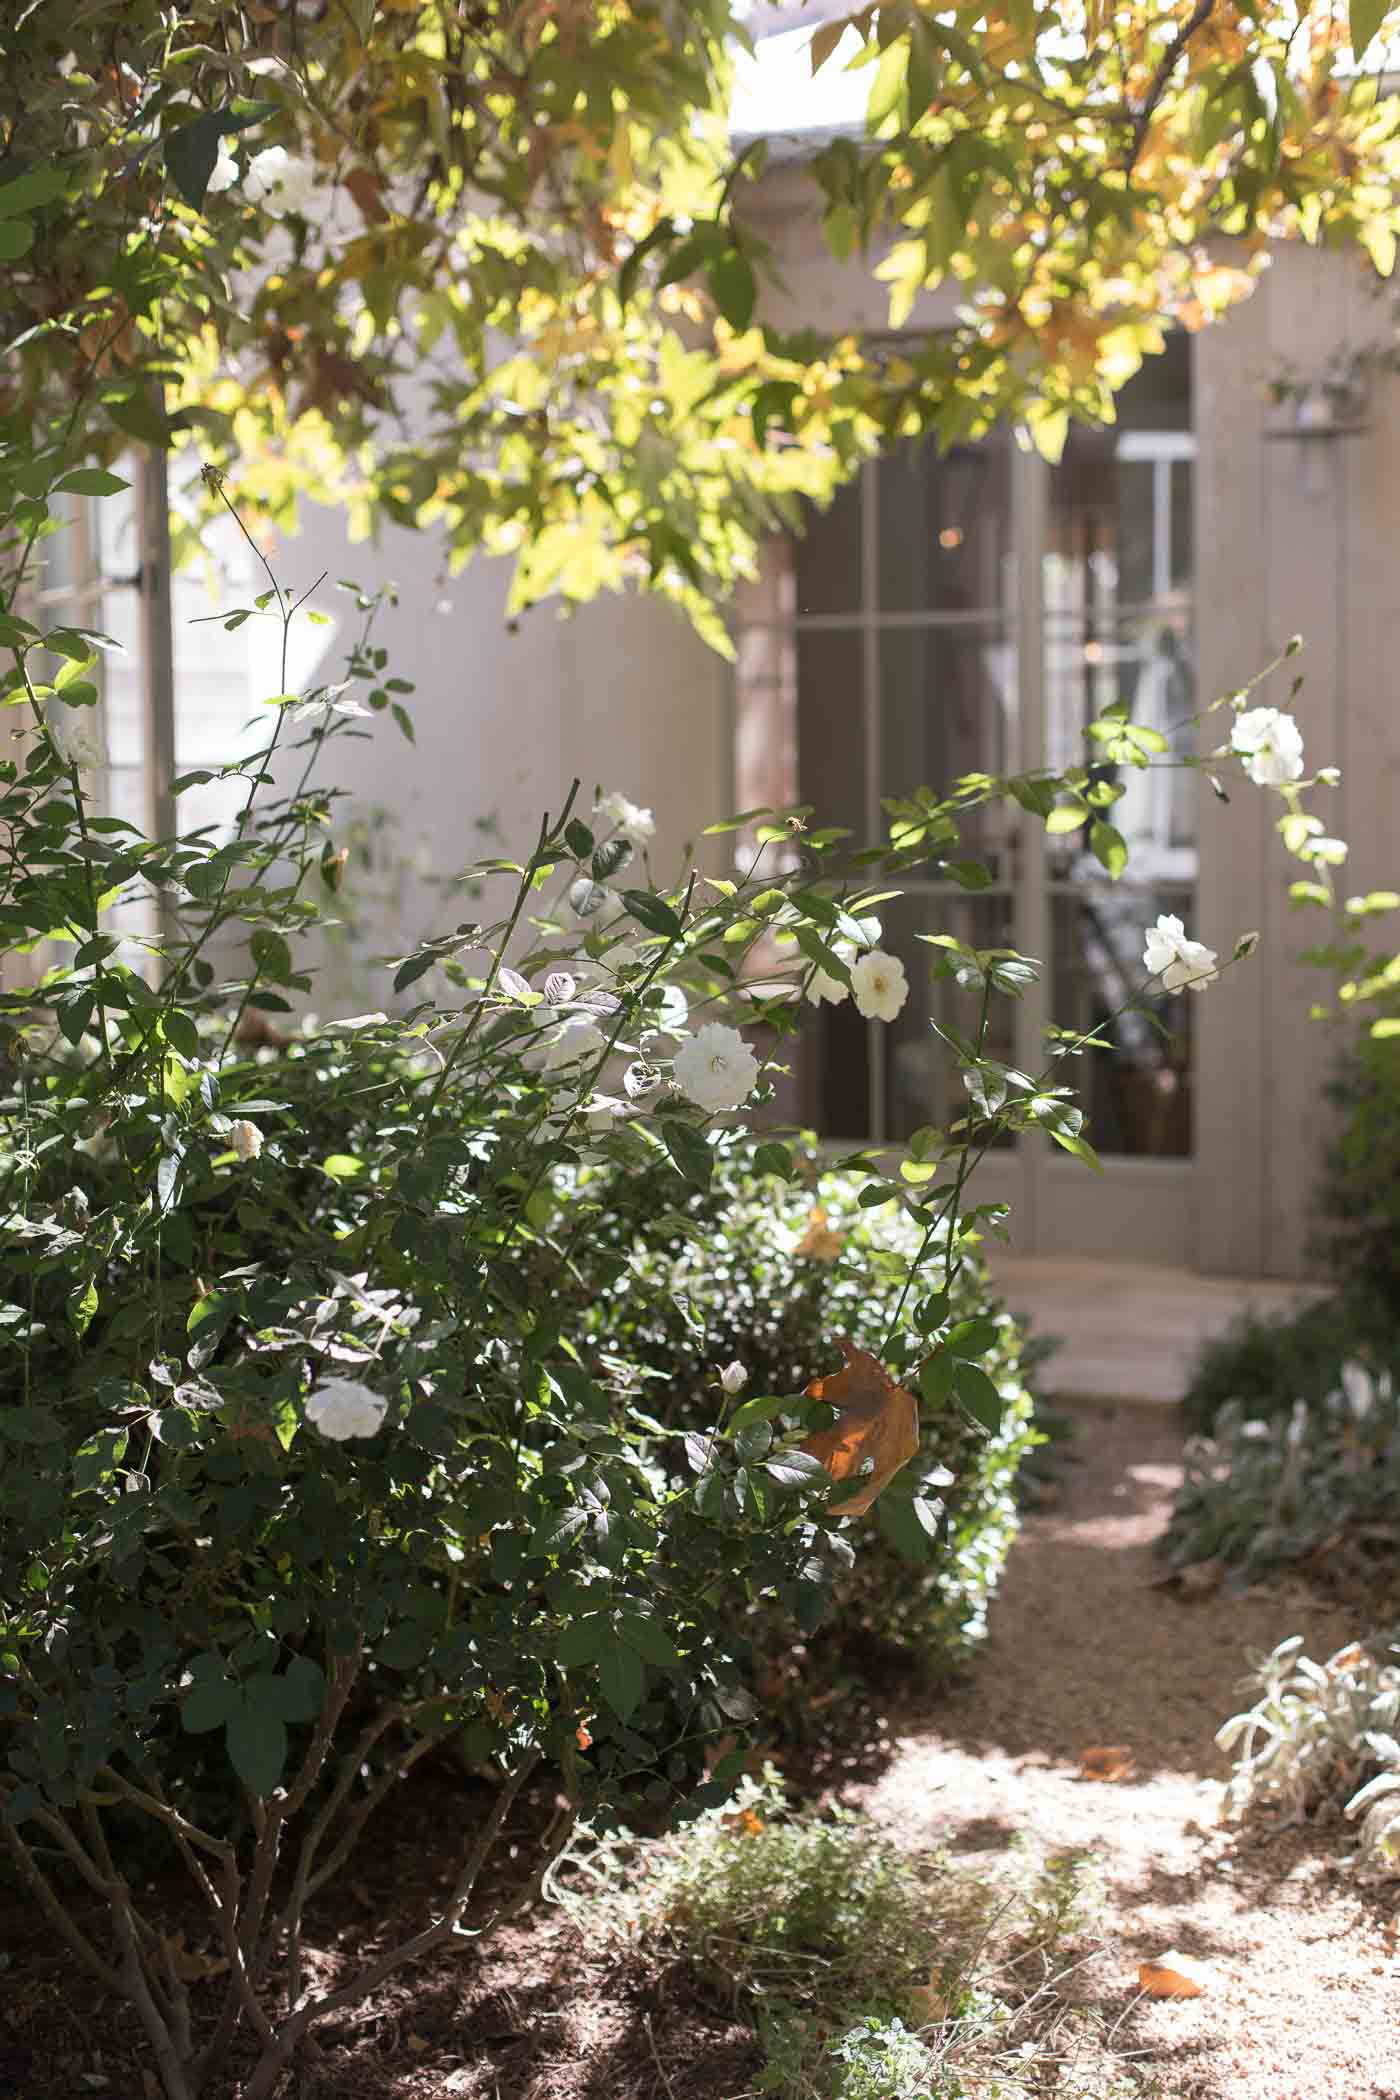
1084, 1651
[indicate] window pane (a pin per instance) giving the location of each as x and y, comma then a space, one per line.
1137, 1094
831, 727
828, 555
947, 708
834, 1064
1146, 663
922, 1081
944, 529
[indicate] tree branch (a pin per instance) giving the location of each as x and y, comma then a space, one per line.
69, 1932
1197, 19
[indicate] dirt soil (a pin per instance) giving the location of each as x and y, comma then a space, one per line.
1084, 1651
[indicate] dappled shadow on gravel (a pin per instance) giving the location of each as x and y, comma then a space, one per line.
1086, 1650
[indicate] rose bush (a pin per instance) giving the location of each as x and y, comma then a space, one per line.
321, 1453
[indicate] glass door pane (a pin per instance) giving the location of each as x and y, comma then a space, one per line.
1117, 577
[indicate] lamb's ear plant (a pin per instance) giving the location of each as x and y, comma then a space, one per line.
311, 1472
1323, 1739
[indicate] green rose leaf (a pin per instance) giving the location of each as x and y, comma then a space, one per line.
256, 1739
936, 1378
622, 1679
690, 1151
979, 1396
1108, 846
208, 1705
652, 912
92, 481
23, 192
648, 1640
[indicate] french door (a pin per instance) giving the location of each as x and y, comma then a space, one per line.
974, 612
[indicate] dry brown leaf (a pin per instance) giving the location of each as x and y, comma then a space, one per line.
745, 1822
187, 1965
1107, 1761
878, 1420
1174, 1975
930, 2001
819, 1242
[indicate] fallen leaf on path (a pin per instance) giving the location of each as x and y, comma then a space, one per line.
1107, 1761
878, 1421
930, 2001
1174, 1975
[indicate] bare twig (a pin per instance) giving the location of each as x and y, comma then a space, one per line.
72, 1936
1197, 19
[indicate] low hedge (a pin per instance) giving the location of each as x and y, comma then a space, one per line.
772, 1274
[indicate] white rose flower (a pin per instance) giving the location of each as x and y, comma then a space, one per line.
880, 985
1271, 745
246, 1139
278, 182
1359, 1389
828, 988
225, 173
734, 1377
76, 734
343, 1408
1181, 964
637, 826
573, 1041
716, 1069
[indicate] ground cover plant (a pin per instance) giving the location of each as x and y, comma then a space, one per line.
1321, 1741
1316, 1493
867, 1973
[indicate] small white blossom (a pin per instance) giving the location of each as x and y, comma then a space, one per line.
76, 734
637, 826
343, 1408
225, 173
246, 1139
1181, 964
828, 988
880, 985
278, 182
716, 1069
1331, 852
1271, 745
734, 1377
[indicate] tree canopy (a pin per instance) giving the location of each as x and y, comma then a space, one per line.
486, 266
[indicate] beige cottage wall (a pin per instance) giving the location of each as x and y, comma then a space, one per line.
1295, 535
621, 693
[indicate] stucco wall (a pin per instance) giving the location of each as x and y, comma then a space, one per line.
620, 694
1295, 535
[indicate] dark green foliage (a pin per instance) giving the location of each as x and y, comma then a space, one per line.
727, 1278
1266, 1361
1317, 1492
1360, 1239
